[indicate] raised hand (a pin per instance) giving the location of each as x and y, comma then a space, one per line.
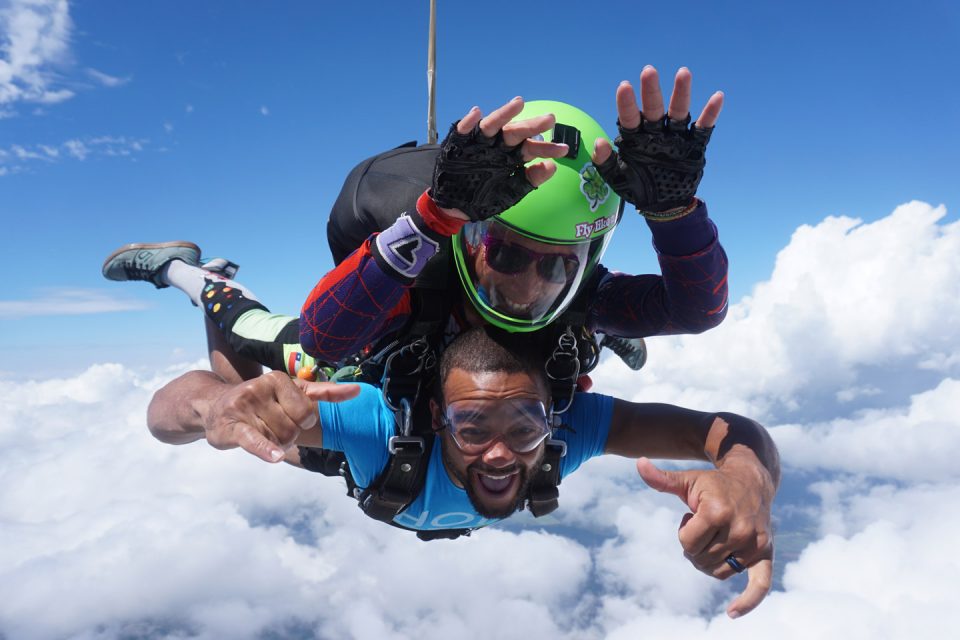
480, 171
661, 156
729, 516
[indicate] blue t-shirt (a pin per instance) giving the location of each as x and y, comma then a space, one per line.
363, 426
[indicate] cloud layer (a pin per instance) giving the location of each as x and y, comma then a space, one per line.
69, 302
849, 353
34, 41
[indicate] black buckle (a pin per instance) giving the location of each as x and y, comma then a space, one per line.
570, 136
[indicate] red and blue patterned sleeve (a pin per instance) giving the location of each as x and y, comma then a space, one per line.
690, 296
367, 295
352, 305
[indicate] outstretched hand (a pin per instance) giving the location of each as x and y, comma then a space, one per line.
729, 515
498, 164
265, 415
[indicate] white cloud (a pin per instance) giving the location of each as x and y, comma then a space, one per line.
68, 302
106, 79
264, 111
77, 149
917, 443
34, 40
850, 307
223, 545
188, 541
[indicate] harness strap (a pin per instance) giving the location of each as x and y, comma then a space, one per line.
431, 308
401, 481
544, 496
563, 369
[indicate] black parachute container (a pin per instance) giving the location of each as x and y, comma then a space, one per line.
375, 193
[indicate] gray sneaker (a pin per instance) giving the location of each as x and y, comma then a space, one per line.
145, 261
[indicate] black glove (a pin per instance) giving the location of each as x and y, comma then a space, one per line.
481, 176
659, 165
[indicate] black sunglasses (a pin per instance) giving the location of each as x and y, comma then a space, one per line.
504, 257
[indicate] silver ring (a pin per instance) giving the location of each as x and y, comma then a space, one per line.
735, 564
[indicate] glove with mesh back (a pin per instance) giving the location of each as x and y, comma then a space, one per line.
478, 175
658, 166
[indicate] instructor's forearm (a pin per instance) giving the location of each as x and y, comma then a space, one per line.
176, 412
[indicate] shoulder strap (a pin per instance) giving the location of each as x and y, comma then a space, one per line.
544, 496
400, 483
402, 479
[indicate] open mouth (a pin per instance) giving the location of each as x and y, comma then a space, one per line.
501, 301
517, 307
497, 485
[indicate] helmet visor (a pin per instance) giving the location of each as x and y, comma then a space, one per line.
521, 281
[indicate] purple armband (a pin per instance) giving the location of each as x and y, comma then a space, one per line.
404, 247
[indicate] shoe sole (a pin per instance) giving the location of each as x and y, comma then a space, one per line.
150, 245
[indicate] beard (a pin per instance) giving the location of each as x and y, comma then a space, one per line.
489, 511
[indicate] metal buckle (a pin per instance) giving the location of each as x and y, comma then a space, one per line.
405, 441
561, 444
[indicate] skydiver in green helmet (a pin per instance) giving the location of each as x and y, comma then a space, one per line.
530, 195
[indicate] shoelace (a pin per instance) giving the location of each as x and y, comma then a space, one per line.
139, 273
620, 346
632, 352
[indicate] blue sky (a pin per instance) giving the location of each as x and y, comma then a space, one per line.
831, 176
232, 124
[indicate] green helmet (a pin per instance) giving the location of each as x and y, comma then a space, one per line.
523, 268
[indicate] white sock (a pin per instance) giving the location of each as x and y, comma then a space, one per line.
191, 280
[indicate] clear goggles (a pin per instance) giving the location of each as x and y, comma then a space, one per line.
521, 423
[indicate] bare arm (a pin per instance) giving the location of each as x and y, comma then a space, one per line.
264, 416
671, 432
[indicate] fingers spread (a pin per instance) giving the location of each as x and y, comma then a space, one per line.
759, 581
540, 172
469, 121
539, 149
601, 151
711, 111
500, 117
627, 110
650, 95
680, 98
516, 132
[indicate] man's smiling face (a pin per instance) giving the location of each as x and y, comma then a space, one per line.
495, 476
